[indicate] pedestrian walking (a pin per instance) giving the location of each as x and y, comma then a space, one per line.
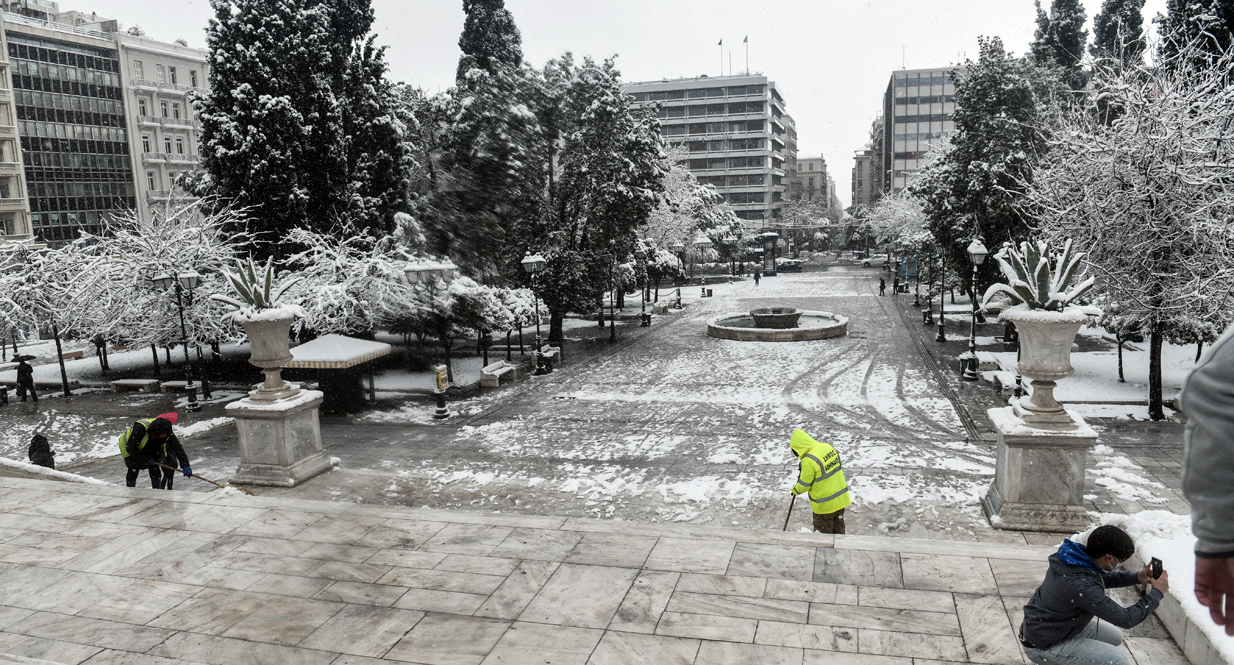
1070, 620
895, 285
40, 452
758, 273
148, 441
25, 379
1208, 477
821, 477
882, 286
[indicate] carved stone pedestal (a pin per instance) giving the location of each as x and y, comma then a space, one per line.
280, 440
1039, 475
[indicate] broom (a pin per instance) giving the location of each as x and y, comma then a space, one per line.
172, 468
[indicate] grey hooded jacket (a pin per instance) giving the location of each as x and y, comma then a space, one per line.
1208, 467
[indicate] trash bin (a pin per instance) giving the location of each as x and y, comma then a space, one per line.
708, 293
927, 317
646, 320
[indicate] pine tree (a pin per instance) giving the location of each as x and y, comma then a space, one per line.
1060, 37
378, 159
489, 37
1118, 31
1210, 22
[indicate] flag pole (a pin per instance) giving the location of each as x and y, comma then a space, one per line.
747, 41
721, 45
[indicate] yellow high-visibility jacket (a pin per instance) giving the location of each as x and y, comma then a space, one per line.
821, 474
141, 445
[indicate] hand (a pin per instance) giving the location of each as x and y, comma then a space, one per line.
1162, 583
188, 472
151, 464
1214, 588
1145, 574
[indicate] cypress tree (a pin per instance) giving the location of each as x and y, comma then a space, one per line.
1059, 39
489, 37
1118, 31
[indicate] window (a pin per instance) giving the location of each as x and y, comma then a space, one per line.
811, 185
137, 70
171, 73
151, 181
179, 145
145, 143
163, 108
175, 111
193, 77
161, 71
167, 144
142, 107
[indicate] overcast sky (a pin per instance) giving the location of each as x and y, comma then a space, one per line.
830, 58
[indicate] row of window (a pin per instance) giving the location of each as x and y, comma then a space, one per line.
66, 204
911, 80
714, 127
928, 99
155, 183
163, 73
53, 100
65, 73
917, 154
28, 47
80, 189
752, 180
73, 161
727, 163
56, 85
720, 145
70, 117
147, 144
699, 110
74, 146
934, 117
918, 136
59, 130
699, 93
746, 197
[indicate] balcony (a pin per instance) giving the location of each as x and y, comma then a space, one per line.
183, 159
147, 120
158, 194
154, 157
178, 122
146, 84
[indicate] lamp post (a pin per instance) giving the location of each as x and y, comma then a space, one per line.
917, 274
976, 255
942, 287
424, 275
680, 250
534, 265
700, 243
185, 281
612, 307
639, 255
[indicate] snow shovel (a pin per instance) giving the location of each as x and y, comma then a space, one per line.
172, 468
790, 512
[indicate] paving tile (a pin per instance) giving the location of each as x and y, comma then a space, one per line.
619, 648
407, 559
363, 630
919, 645
92, 632
117, 556
448, 602
478, 539
725, 653
726, 585
350, 572
541, 544
266, 563
214, 650
884, 618
403, 534
283, 620
340, 530
43, 649
276, 546
858, 567
441, 639
277, 524
10, 615
73, 593
783, 562
484, 565
1150, 651
832, 658
948, 573
335, 552
796, 635
540, 644
791, 611
640, 610
184, 557
289, 585
906, 599
167, 515
442, 580
583, 596
115, 657
223, 519
225, 578
707, 627
523, 583
606, 549
691, 556
988, 634
1018, 578
141, 602
823, 592
359, 593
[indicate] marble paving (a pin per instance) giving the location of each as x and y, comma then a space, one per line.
104, 574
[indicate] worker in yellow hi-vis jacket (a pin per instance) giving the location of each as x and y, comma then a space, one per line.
822, 478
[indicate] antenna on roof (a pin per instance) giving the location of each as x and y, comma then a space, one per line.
903, 56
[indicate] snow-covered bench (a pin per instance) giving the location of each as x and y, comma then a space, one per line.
490, 375
73, 355
987, 362
175, 386
659, 308
140, 385
7, 366
551, 352
41, 385
1004, 383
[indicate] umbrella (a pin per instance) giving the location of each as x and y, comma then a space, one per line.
22, 358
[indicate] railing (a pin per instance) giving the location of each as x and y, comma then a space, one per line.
154, 156
40, 23
147, 120
183, 158
181, 122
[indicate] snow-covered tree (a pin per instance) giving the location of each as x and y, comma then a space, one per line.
490, 39
379, 161
1148, 196
685, 207
1118, 31
1203, 28
897, 217
1060, 38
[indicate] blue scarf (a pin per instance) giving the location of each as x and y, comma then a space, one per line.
1074, 554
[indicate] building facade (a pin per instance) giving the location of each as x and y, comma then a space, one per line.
737, 133
865, 179
918, 110
812, 178
14, 200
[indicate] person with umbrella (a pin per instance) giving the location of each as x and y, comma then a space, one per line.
148, 443
25, 378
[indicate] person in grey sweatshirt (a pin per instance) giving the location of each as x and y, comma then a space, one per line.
1070, 620
1208, 477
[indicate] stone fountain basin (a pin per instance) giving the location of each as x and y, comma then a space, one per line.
775, 317
811, 325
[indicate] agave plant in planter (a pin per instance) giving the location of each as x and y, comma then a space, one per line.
267, 323
1047, 318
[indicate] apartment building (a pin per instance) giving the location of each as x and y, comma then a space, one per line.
866, 178
14, 204
737, 133
918, 109
812, 178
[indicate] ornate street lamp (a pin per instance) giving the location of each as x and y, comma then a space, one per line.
534, 265
942, 288
680, 250
639, 255
424, 275
976, 255
185, 281
700, 243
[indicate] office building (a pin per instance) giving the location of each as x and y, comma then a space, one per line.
737, 133
812, 178
918, 108
865, 180
14, 204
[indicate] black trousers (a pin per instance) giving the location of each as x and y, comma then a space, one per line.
23, 388
160, 478
830, 522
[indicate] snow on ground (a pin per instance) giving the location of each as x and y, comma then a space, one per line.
1123, 477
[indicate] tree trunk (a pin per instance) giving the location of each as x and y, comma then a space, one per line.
1119, 337
200, 371
621, 299
555, 329
1155, 410
1199, 349
154, 351
106, 361
168, 350
216, 352
600, 318
64, 375
521, 352
508, 333
484, 345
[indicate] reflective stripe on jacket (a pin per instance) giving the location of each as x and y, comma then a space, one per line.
141, 446
821, 474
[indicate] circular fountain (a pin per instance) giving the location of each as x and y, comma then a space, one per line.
778, 324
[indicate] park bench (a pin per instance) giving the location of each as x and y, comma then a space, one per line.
658, 308
73, 355
490, 375
175, 386
987, 362
140, 385
45, 385
7, 366
1004, 383
551, 352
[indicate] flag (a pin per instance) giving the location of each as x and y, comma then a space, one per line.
721, 42
746, 40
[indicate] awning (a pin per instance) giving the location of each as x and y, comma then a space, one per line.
336, 352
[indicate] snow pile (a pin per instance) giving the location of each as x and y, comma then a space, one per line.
203, 426
1162, 534
1123, 477
50, 474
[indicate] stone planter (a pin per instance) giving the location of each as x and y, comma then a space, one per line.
779, 318
1045, 357
270, 348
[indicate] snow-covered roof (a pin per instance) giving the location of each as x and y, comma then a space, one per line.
336, 352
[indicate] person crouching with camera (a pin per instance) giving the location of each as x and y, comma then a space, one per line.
1070, 620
